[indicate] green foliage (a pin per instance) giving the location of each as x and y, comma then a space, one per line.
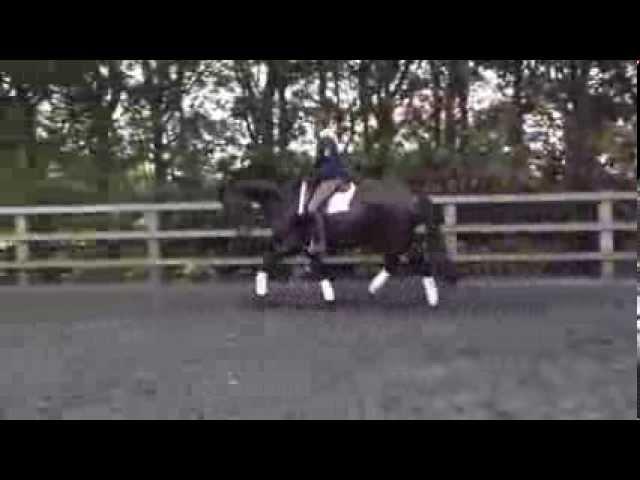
108, 130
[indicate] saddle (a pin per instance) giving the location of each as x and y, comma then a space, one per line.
339, 201
344, 188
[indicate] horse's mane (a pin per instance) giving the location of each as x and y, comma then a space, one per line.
256, 190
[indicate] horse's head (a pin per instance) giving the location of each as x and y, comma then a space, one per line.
280, 206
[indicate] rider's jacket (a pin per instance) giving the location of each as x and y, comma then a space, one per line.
328, 163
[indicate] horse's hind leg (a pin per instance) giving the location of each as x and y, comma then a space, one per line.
262, 276
443, 267
424, 268
321, 272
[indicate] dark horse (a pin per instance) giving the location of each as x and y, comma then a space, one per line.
384, 224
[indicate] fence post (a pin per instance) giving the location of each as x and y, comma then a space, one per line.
22, 248
605, 218
450, 220
153, 246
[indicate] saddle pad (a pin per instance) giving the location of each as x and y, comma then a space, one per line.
341, 201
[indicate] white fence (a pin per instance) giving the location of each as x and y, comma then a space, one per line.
606, 225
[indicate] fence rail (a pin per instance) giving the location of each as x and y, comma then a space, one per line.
606, 226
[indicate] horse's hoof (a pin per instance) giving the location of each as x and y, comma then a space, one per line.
329, 306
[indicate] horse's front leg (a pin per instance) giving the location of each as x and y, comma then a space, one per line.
269, 262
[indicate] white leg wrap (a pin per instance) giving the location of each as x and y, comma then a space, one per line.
261, 283
303, 197
378, 282
327, 291
431, 290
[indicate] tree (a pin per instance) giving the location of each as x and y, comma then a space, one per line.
593, 97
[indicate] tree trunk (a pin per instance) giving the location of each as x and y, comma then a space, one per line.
385, 134
189, 164
100, 132
154, 96
161, 167
580, 164
516, 131
29, 107
102, 150
462, 74
449, 107
284, 125
437, 107
32, 141
324, 117
365, 104
336, 93
268, 140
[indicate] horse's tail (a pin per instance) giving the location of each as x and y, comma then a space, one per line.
434, 245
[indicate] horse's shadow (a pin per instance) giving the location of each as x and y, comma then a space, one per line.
352, 296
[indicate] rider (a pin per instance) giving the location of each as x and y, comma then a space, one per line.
330, 175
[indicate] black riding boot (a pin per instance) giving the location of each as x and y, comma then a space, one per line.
319, 243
